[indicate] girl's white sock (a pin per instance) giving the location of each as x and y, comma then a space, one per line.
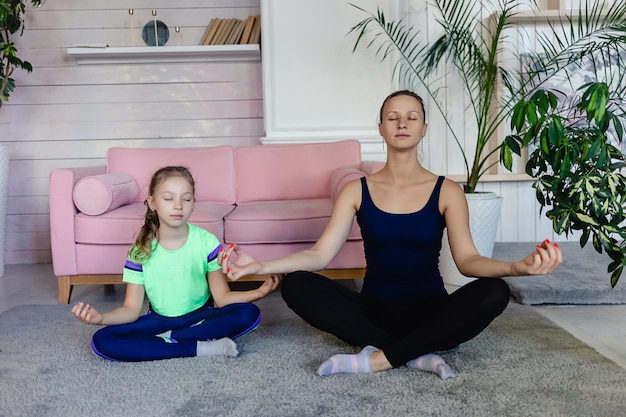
221, 347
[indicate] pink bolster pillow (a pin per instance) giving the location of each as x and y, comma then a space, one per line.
340, 177
97, 194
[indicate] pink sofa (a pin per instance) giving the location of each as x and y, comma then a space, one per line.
270, 199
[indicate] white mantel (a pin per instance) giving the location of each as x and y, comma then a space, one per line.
315, 88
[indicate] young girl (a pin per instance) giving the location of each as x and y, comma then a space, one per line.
403, 312
169, 264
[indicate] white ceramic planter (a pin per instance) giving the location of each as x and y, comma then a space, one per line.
484, 214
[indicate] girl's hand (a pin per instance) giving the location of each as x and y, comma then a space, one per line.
270, 285
236, 263
545, 259
86, 314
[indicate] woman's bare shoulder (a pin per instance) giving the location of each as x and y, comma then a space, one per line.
449, 186
351, 192
451, 193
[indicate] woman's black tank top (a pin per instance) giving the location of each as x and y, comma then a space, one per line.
402, 250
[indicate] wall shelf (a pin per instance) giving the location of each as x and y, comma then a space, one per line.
90, 55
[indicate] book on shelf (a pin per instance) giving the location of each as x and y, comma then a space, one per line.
247, 30
235, 33
226, 32
219, 33
210, 31
255, 36
216, 27
232, 31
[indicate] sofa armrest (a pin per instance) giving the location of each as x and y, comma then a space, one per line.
340, 177
371, 167
62, 213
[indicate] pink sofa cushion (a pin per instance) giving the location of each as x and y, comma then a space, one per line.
291, 172
97, 194
212, 168
285, 221
120, 226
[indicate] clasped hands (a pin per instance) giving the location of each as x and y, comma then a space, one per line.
237, 263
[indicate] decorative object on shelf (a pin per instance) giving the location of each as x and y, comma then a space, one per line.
564, 86
156, 33
131, 12
157, 28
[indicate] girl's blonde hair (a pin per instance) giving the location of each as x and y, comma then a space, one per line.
142, 249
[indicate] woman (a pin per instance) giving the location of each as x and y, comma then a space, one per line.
403, 312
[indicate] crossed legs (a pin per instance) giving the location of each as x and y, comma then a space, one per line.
206, 331
404, 332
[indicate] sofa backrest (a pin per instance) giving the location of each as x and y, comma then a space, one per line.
291, 172
212, 168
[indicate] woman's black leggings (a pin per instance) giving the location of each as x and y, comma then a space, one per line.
402, 330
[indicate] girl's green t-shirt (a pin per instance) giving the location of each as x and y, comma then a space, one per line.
176, 281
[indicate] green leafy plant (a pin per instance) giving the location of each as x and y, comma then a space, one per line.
472, 47
578, 169
11, 24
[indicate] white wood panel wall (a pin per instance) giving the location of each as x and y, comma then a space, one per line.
65, 115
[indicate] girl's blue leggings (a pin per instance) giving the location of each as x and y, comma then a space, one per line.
138, 341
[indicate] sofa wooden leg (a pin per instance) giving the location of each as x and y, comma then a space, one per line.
65, 289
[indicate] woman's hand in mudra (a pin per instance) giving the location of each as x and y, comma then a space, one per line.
545, 259
237, 263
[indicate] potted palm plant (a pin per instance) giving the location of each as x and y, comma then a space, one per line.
471, 47
11, 24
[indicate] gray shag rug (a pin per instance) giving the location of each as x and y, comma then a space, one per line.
581, 279
521, 365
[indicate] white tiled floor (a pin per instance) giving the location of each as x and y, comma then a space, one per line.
602, 327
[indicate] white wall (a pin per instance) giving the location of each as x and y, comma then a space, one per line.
315, 87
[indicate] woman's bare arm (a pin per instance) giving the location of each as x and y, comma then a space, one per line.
333, 237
